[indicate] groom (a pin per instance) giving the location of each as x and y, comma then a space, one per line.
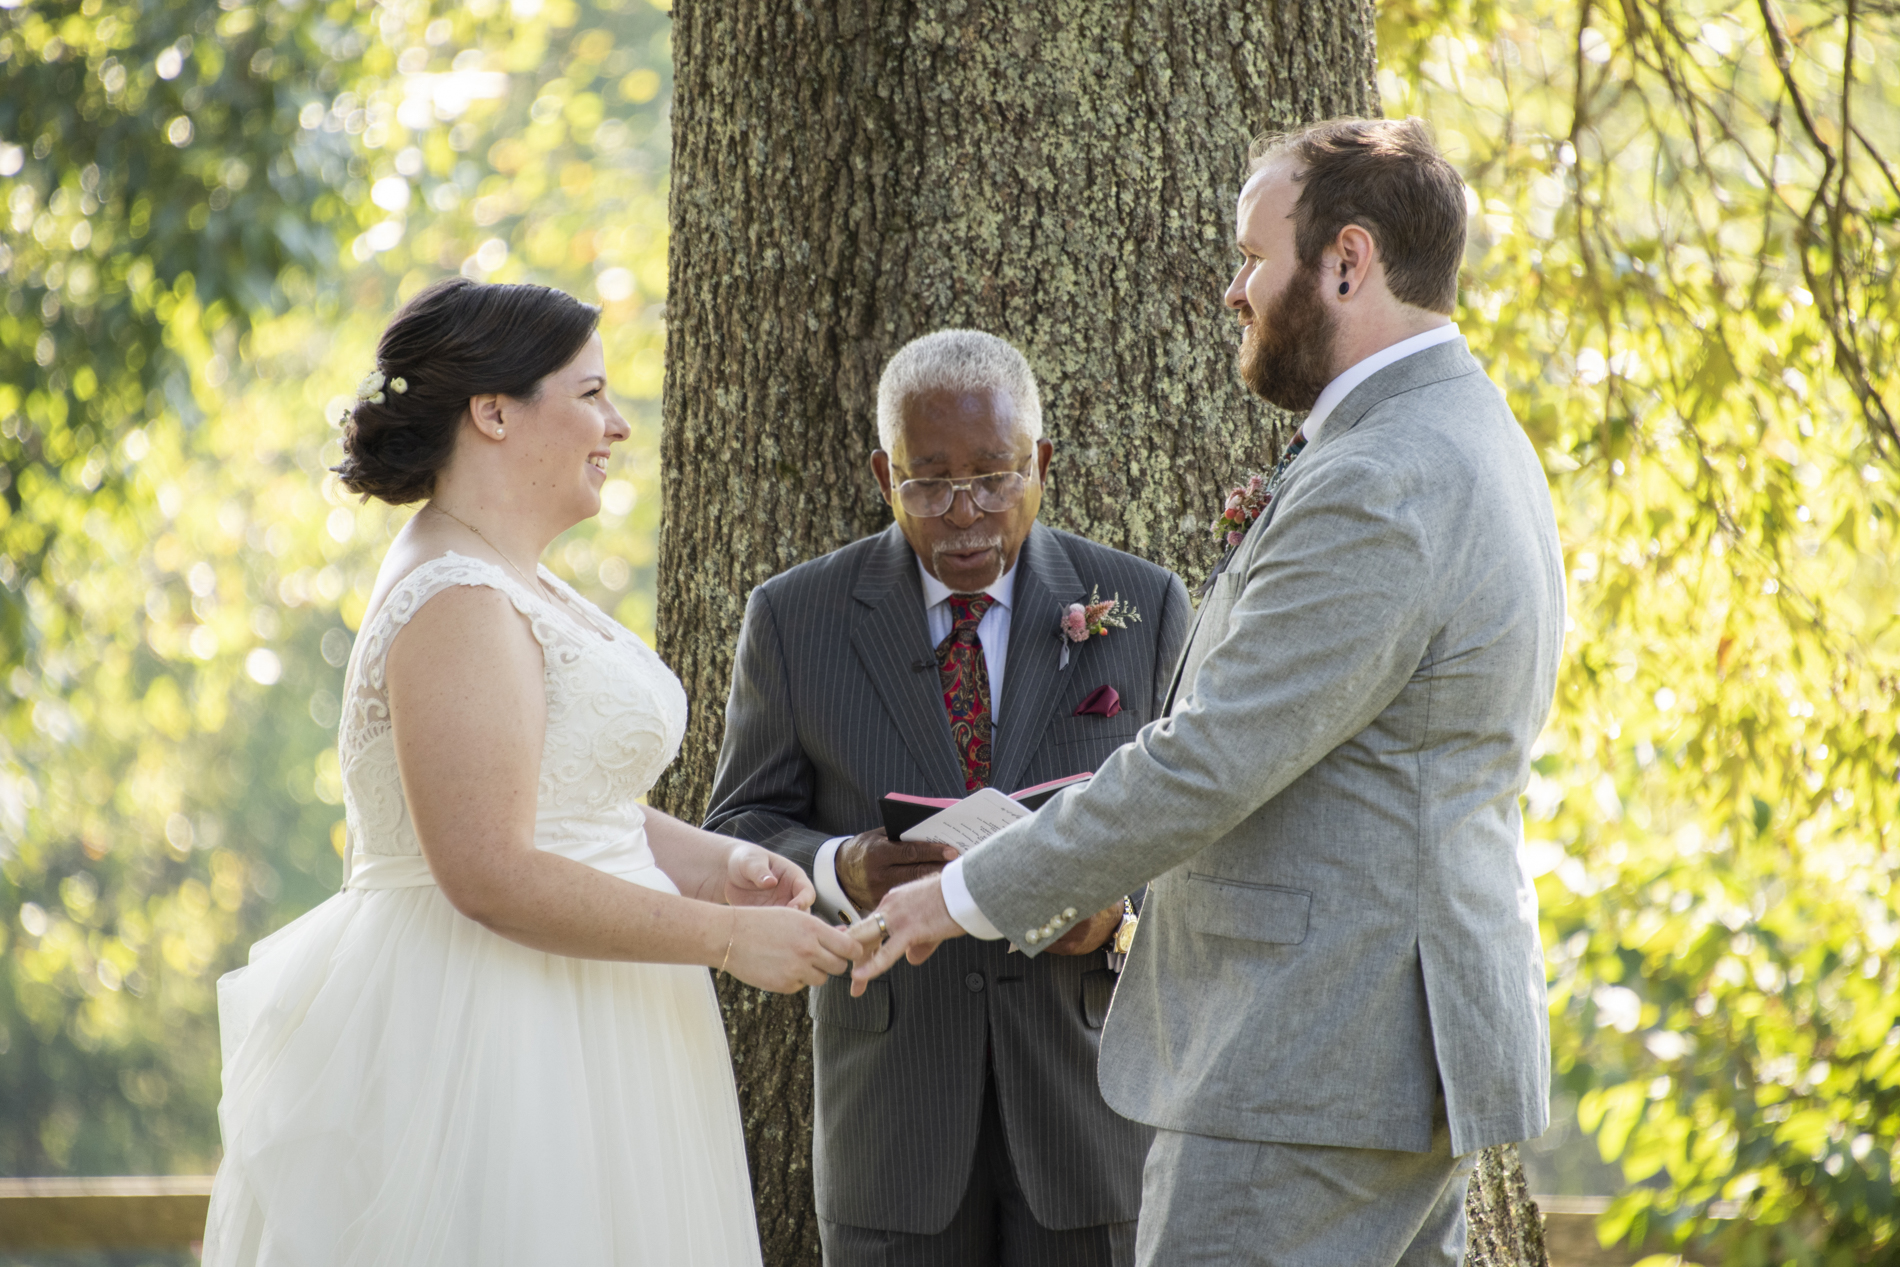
959, 1121
1337, 992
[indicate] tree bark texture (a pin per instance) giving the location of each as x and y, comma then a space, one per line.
850, 174
1507, 1229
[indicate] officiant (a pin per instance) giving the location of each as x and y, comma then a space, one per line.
966, 646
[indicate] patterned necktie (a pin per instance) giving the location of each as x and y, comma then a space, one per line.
966, 687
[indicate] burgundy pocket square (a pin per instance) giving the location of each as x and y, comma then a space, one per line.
1103, 701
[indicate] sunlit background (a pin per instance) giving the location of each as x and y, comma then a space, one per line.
210, 212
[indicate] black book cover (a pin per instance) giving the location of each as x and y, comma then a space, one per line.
900, 815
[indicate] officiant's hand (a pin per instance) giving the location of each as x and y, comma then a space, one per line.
917, 920
1091, 934
759, 877
871, 864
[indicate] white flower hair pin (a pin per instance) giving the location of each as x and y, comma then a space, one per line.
370, 390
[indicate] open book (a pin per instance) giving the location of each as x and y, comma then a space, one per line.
965, 822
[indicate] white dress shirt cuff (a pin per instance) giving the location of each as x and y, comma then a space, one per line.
824, 878
956, 896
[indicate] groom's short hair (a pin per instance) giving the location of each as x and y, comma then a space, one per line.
958, 361
1386, 176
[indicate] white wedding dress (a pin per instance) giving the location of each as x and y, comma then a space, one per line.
403, 1087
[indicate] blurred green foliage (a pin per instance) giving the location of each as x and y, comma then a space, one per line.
210, 212
1681, 270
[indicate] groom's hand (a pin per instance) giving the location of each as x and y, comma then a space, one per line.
871, 864
917, 920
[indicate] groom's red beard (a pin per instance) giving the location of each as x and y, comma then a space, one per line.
1286, 355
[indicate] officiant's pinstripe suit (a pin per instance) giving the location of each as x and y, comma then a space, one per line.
828, 712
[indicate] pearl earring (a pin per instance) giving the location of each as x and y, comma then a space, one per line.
500, 434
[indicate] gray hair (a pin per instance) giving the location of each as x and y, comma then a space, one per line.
960, 361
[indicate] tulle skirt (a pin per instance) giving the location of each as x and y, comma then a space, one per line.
403, 1087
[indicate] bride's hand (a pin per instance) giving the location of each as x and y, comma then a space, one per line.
759, 877
784, 950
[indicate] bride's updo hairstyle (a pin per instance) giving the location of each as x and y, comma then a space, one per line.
457, 339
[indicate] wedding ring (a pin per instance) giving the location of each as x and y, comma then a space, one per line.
882, 927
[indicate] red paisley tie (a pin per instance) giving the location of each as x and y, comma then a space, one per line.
966, 687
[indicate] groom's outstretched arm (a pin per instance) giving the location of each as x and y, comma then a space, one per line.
762, 790
1334, 615
1333, 618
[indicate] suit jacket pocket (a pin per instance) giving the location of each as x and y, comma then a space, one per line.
1112, 732
1246, 911
832, 1003
1098, 990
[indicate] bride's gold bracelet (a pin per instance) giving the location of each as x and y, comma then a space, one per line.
729, 939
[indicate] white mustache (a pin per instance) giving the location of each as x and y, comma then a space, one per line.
963, 545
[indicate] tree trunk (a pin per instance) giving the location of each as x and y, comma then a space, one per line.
847, 176
1507, 1229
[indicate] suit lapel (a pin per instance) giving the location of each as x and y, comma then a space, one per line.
1046, 583
1228, 561
1451, 359
890, 638
1180, 662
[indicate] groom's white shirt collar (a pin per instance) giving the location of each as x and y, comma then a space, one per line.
1341, 387
956, 894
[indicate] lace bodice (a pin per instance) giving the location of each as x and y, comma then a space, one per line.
615, 718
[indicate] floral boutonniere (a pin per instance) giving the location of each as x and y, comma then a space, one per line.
1083, 621
1248, 502
1244, 505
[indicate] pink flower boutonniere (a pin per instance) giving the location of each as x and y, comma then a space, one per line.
1244, 505
1083, 621
1248, 502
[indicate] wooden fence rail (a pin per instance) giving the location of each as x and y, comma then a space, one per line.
169, 1213
141, 1212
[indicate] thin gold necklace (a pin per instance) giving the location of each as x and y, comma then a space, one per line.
485, 541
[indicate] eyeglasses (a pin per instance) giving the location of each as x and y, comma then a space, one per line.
927, 499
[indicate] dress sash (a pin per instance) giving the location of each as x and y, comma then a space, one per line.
628, 859
388, 871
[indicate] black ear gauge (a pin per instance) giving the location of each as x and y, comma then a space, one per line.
1344, 287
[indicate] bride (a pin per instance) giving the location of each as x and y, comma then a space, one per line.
500, 1044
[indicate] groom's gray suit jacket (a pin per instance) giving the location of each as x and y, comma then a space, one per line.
1342, 921
835, 702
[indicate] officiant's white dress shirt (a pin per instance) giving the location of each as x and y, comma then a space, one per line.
993, 632
956, 894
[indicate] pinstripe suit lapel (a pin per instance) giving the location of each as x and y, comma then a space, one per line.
890, 638
1046, 583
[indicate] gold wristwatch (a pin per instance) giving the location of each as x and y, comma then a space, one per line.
1124, 938
1125, 934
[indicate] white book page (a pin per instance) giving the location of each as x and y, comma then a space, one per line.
971, 820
